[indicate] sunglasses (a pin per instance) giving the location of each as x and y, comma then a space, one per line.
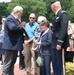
32, 17
41, 24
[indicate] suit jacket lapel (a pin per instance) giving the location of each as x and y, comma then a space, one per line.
14, 19
45, 32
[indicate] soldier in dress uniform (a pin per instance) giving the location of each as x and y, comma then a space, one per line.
59, 37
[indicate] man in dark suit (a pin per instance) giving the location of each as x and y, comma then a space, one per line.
59, 37
13, 39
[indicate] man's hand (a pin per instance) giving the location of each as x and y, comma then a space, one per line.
58, 47
34, 49
37, 43
26, 42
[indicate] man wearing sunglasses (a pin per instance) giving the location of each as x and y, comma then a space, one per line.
30, 28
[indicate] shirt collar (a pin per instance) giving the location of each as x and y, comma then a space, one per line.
14, 16
31, 24
57, 11
45, 32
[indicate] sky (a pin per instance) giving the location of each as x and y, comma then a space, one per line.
5, 0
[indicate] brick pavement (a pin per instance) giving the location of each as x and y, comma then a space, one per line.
17, 71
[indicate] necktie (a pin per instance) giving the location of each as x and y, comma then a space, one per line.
18, 21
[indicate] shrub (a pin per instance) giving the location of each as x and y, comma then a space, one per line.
69, 68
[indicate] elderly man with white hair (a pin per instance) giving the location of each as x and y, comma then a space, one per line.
13, 40
60, 39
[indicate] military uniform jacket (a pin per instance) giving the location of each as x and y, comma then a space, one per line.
59, 28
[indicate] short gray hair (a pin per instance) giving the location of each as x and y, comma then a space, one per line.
32, 15
41, 18
17, 8
57, 3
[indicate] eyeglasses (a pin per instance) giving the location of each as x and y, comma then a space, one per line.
32, 17
41, 24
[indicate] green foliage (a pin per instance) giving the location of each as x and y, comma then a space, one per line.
66, 4
39, 7
71, 12
36, 6
49, 13
69, 68
3, 10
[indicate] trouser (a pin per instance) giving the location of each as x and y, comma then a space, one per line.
57, 61
21, 60
28, 55
45, 69
10, 59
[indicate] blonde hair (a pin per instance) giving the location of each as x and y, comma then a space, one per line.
46, 23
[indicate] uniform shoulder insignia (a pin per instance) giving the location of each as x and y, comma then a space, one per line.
63, 11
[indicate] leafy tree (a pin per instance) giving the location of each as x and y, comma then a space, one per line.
66, 4
71, 12
36, 6
39, 7
3, 10
49, 14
